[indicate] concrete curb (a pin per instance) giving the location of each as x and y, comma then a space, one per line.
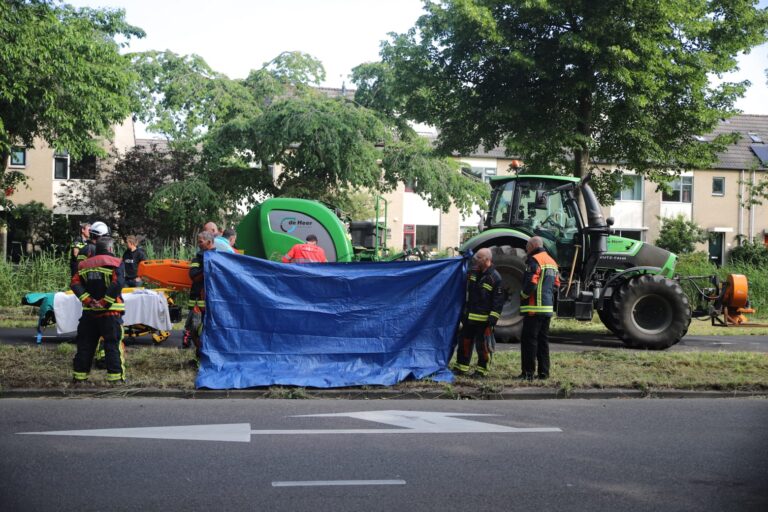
377, 394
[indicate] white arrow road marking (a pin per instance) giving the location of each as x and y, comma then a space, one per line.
321, 483
409, 422
422, 422
233, 432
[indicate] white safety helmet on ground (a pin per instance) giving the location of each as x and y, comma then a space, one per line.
99, 229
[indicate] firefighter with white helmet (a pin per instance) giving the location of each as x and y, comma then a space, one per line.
86, 248
98, 229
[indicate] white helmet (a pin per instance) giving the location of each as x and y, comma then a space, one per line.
99, 229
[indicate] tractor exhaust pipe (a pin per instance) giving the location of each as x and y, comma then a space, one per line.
597, 230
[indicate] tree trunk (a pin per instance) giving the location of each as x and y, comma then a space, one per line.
583, 128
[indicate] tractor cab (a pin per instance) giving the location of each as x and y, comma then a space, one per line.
538, 205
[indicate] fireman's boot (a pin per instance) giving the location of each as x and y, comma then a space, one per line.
463, 357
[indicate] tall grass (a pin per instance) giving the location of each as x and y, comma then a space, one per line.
176, 252
45, 272
48, 272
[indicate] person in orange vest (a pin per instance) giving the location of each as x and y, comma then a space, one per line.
309, 252
537, 299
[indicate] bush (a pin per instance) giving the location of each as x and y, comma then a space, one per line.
695, 264
680, 235
750, 253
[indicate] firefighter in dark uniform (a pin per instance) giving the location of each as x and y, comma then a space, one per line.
485, 299
537, 299
98, 284
85, 247
194, 324
77, 247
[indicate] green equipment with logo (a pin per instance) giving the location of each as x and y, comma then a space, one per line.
271, 228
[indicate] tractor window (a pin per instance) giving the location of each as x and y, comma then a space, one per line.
502, 207
547, 214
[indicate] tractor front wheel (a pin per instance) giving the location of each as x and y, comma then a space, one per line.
606, 315
651, 311
510, 263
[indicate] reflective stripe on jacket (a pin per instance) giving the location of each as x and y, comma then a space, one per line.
100, 278
540, 282
485, 296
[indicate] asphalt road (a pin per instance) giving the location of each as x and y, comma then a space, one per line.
629, 455
572, 342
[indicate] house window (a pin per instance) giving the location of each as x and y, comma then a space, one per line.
426, 235
64, 168
61, 166
483, 173
633, 189
18, 156
718, 186
634, 234
680, 190
410, 185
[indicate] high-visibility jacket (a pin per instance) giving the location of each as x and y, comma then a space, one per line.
485, 297
197, 290
85, 249
540, 283
99, 284
305, 253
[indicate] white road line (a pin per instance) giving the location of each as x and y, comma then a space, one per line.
323, 483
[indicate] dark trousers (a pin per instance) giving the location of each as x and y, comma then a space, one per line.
534, 346
473, 335
89, 330
194, 325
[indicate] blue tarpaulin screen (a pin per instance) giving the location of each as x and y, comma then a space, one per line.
327, 325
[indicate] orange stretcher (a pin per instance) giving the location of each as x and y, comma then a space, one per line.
173, 274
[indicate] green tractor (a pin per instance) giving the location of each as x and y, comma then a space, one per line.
629, 283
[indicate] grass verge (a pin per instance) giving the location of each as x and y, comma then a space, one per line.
697, 328
148, 367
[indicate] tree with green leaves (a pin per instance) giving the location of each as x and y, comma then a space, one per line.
326, 148
63, 79
568, 85
155, 192
680, 235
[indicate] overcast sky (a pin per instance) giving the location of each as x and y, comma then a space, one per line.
235, 36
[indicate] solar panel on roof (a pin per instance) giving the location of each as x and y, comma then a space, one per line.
761, 150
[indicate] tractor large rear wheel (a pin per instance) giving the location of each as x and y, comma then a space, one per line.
651, 312
606, 315
510, 263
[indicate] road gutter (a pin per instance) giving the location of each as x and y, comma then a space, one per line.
378, 394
